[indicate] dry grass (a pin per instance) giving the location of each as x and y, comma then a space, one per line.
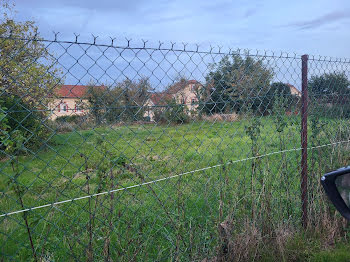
283, 242
221, 118
235, 213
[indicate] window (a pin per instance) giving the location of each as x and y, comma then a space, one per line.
63, 107
77, 107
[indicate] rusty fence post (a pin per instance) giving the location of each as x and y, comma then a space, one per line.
304, 113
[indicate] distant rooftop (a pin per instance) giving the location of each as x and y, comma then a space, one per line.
73, 91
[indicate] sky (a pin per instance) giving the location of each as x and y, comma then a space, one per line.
317, 27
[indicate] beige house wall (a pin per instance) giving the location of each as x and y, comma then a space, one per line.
188, 97
57, 107
149, 110
295, 91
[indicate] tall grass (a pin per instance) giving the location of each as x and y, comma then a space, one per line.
237, 211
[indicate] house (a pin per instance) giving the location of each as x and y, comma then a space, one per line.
183, 92
70, 100
154, 101
294, 90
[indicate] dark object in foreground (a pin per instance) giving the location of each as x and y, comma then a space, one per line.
337, 186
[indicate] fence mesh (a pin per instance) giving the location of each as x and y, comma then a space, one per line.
139, 152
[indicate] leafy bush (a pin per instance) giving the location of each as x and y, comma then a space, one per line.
172, 113
19, 118
4, 127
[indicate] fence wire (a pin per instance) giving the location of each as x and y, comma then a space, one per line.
142, 152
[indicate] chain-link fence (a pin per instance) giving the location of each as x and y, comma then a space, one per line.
128, 151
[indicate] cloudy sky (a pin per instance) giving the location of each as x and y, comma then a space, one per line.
313, 26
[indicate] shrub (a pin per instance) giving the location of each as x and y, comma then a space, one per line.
172, 113
4, 127
19, 117
71, 123
68, 119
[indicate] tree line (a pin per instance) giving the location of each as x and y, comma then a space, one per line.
123, 102
237, 83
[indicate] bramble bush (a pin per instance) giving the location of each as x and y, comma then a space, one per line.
19, 117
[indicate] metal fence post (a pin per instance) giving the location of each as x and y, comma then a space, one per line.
304, 113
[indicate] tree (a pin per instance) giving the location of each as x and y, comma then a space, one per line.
329, 84
23, 119
27, 68
281, 93
98, 102
27, 78
135, 94
236, 83
124, 102
280, 89
332, 89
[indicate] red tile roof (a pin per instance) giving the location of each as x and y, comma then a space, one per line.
73, 91
160, 98
176, 87
192, 82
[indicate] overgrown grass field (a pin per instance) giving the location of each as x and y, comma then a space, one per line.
214, 174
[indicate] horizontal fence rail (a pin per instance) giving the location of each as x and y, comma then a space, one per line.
133, 151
